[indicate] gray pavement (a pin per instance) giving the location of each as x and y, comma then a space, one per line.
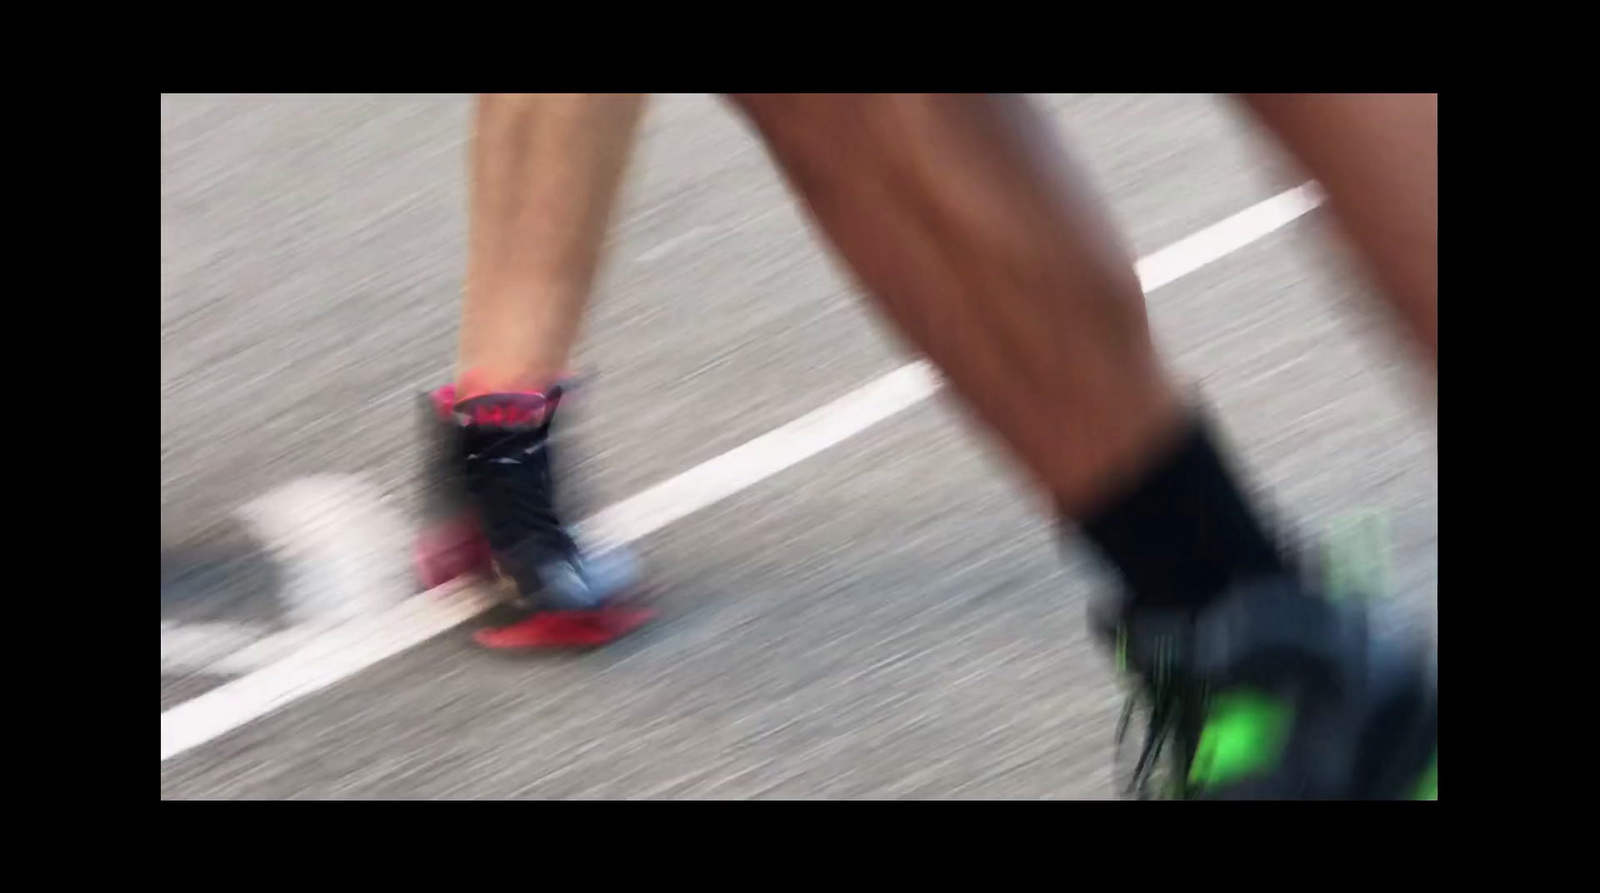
890, 618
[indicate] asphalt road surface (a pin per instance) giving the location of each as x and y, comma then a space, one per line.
890, 618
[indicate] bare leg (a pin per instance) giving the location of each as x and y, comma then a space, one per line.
545, 175
546, 171
959, 216
1377, 157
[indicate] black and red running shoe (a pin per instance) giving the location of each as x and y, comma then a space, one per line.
495, 489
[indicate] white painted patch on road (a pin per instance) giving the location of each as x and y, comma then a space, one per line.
229, 649
206, 647
344, 550
343, 651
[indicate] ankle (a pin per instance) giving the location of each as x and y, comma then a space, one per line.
1186, 531
479, 381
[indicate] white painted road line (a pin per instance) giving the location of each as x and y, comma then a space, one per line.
716, 479
339, 653
1227, 236
334, 654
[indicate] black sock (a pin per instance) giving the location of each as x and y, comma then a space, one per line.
1185, 533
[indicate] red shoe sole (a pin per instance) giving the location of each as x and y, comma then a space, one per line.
565, 629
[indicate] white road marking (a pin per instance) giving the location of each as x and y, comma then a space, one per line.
1227, 236
206, 647
718, 478
342, 547
343, 553
229, 649
338, 653
326, 658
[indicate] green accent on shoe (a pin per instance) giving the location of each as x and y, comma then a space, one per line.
1428, 787
1244, 735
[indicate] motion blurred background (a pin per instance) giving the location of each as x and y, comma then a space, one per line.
890, 618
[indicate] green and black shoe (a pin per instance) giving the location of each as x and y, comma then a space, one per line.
1276, 693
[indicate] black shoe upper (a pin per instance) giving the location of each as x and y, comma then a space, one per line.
503, 451
1364, 707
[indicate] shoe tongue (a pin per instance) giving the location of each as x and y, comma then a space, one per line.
523, 410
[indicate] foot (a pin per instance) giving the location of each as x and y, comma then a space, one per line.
1275, 693
495, 464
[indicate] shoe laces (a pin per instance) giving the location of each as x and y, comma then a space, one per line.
508, 470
